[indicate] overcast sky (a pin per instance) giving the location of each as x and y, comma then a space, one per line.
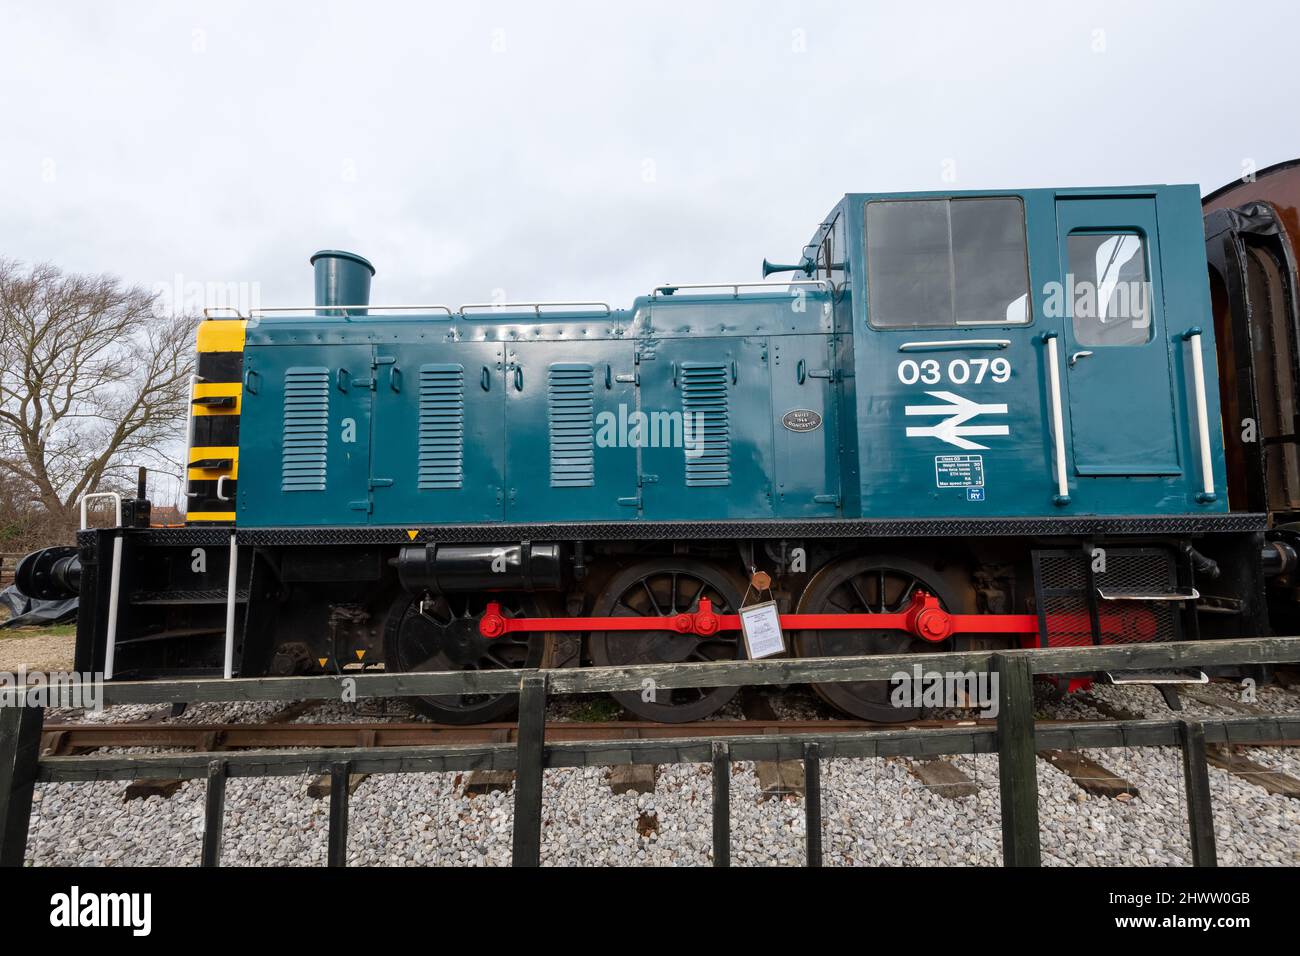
566, 150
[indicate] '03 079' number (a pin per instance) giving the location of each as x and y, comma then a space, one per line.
959, 371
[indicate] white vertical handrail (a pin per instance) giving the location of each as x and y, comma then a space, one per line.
115, 581
86, 499
1058, 426
1193, 338
231, 581
114, 596
189, 435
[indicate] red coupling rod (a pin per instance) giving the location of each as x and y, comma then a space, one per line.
923, 618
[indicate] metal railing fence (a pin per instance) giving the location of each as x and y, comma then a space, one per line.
1015, 738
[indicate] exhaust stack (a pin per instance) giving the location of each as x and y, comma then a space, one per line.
342, 278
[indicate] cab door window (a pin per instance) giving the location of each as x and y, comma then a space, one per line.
1109, 287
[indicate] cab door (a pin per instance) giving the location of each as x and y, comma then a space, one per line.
1117, 365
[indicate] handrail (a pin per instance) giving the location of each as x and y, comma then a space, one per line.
535, 306
737, 286
1058, 426
956, 344
353, 308
114, 580
207, 312
232, 581
85, 499
1193, 337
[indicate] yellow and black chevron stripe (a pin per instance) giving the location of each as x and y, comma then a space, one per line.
214, 425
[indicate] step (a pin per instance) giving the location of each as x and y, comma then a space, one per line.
210, 596
1189, 675
1190, 595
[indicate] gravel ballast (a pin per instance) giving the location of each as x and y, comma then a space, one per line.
35, 652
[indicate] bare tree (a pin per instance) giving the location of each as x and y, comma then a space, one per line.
93, 381
25, 525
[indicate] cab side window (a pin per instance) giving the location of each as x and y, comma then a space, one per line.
947, 263
1108, 287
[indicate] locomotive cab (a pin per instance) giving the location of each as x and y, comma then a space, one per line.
1028, 353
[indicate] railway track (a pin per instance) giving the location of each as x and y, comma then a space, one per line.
65, 738
69, 738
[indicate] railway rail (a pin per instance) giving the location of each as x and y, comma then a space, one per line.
68, 738
61, 738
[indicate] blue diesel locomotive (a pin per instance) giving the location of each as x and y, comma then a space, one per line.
966, 420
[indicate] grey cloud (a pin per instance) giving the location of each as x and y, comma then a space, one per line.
467, 148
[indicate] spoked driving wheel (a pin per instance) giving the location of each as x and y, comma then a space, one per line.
866, 586
661, 588
440, 633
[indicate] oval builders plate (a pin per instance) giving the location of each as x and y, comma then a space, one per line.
801, 420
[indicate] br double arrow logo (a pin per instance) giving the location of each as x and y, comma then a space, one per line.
954, 429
